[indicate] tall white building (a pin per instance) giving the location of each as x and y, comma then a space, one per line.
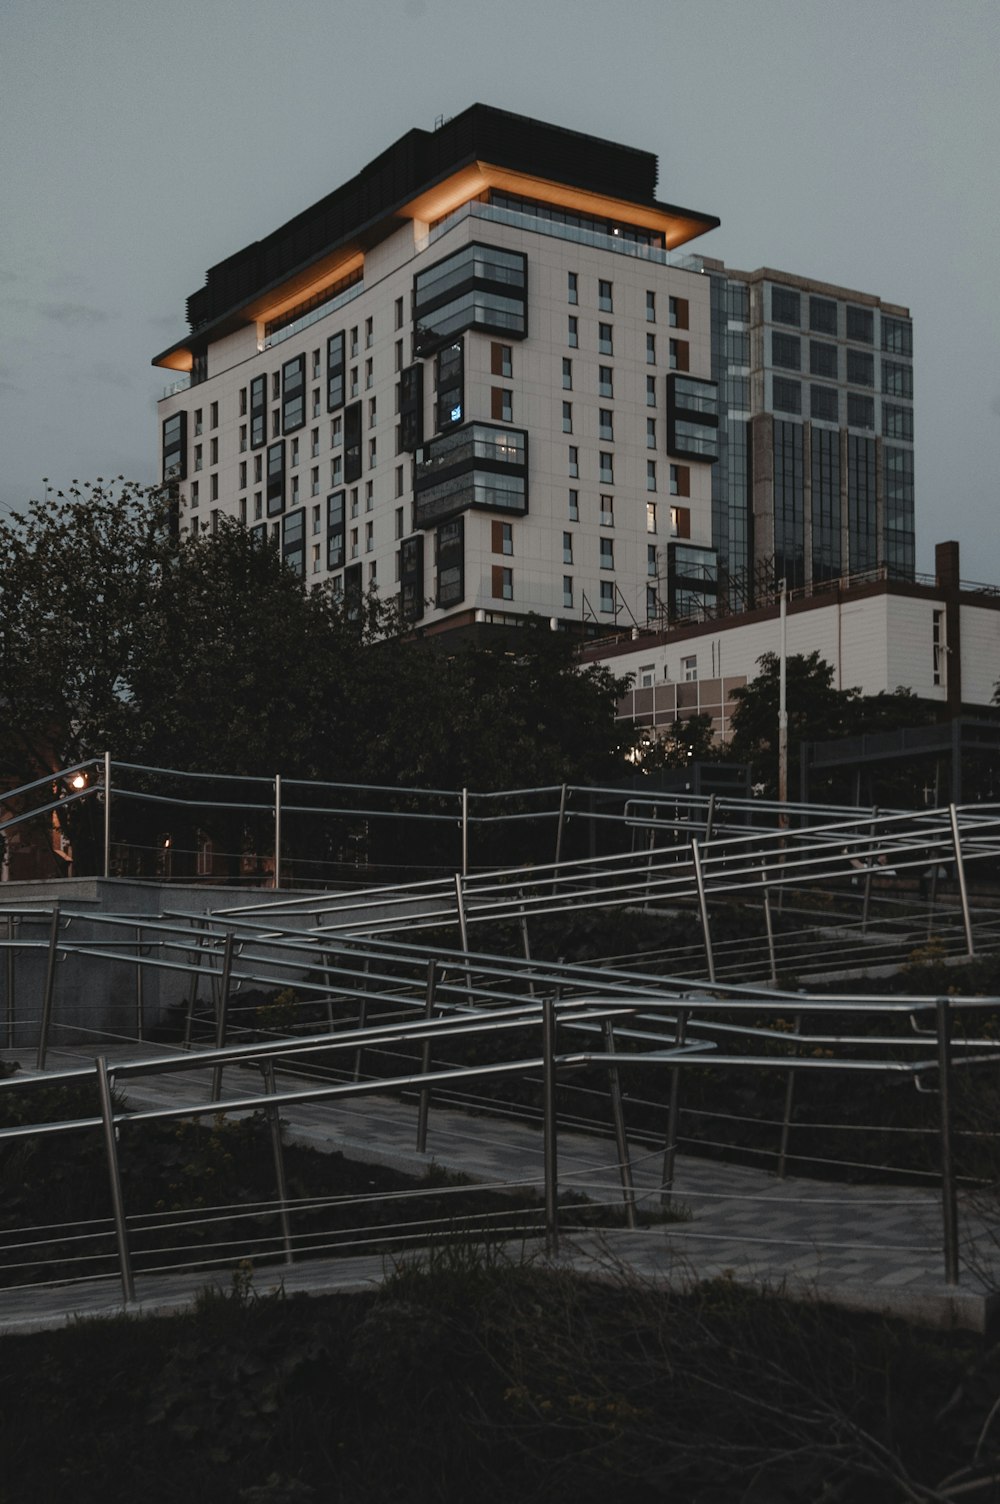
478, 374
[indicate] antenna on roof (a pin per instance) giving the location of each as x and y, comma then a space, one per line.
440, 120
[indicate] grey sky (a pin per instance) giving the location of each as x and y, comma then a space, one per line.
141, 142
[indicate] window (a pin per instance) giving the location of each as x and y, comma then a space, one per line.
822, 359
372, 411
316, 364
607, 553
369, 333
369, 537
243, 438
652, 603
651, 349
607, 511
897, 380
198, 423
823, 315
937, 647
650, 516
336, 470
606, 425
243, 475
678, 313
275, 386
680, 480
897, 336
605, 339
567, 417
354, 340
567, 548
860, 368
502, 404
604, 298
605, 381
680, 355
650, 475
276, 423
369, 376
317, 519
293, 394
689, 668
295, 452
787, 395
314, 481
786, 306
503, 583
258, 505
335, 372
607, 595
194, 494
651, 560
824, 403
568, 591
503, 537
567, 374
650, 433
354, 381
399, 480
399, 522
607, 468
650, 391
314, 443
372, 453
258, 469
572, 288
399, 313
574, 461
650, 307
860, 411
860, 324
897, 422
336, 432
243, 510
213, 415
214, 451
786, 351
354, 543
243, 401
398, 355
501, 360
573, 332
574, 506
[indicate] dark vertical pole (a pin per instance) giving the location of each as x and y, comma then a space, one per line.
114, 1175
786, 1122
670, 1148
949, 1203
550, 1149
423, 1108
221, 1014
703, 906
139, 999
50, 984
9, 975
362, 1018
960, 871
277, 1148
621, 1138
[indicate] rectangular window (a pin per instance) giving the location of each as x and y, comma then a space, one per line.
823, 316
574, 461
567, 375
680, 480
354, 341
897, 422
568, 592
502, 583
198, 422
243, 401
449, 370
650, 516
678, 313
607, 553
369, 333
175, 447
276, 478
502, 404
295, 453
574, 506
317, 365
335, 531
243, 475
605, 381
897, 336
314, 480
372, 411
607, 511
567, 548
572, 288
860, 411
786, 351
650, 475
352, 442
502, 360
650, 391
651, 560
605, 339
567, 417
650, 433
258, 469
689, 668
372, 453
335, 365
860, 368
651, 349
502, 535
787, 395
213, 452
399, 313
860, 324
937, 647
680, 355
573, 332
824, 403
243, 438
604, 298
607, 468
650, 307
606, 425
897, 380
213, 415
607, 595
195, 495
369, 537
822, 359
198, 457
786, 306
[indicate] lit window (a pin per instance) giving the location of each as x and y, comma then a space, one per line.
650, 516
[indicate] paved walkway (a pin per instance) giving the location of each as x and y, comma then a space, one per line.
864, 1247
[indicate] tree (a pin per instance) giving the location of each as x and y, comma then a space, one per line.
688, 740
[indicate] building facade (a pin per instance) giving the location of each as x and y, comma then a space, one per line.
479, 376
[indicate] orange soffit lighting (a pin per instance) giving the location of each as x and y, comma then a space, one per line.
471, 181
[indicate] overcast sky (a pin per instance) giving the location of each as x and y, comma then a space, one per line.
141, 142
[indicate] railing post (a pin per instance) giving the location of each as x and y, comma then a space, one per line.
560, 823
362, 1018
621, 1137
710, 818
963, 890
673, 1111
769, 925
139, 997
107, 814
50, 983
278, 1150
703, 906
222, 1013
465, 832
786, 1121
277, 832
114, 1175
423, 1107
9, 978
949, 1203
550, 1148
